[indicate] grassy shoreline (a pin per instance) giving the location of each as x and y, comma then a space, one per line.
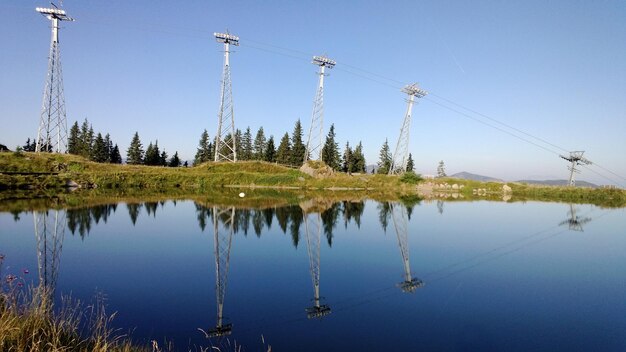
31, 171
30, 180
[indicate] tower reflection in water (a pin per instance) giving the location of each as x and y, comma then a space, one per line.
313, 232
49, 233
223, 231
574, 221
399, 216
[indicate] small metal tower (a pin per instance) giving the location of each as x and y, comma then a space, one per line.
401, 154
52, 131
400, 223
223, 240
575, 222
313, 228
575, 158
49, 232
225, 143
314, 141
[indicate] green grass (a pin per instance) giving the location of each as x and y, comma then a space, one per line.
54, 171
610, 198
45, 176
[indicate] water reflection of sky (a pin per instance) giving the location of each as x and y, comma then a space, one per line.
497, 276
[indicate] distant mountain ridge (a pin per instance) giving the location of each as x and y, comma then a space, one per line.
474, 177
464, 175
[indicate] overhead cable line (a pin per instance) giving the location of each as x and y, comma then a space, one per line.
448, 101
368, 75
492, 126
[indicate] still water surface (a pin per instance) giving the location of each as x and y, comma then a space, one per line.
484, 276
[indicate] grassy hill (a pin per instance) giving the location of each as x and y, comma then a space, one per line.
49, 178
43, 171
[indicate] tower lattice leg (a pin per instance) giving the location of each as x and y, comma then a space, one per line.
225, 140
314, 141
400, 156
52, 131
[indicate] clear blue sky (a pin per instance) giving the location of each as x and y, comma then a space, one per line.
554, 69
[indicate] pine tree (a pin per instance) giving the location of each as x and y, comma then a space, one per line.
259, 144
204, 149
359, 159
26, 145
116, 157
109, 147
89, 141
270, 150
174, 161
330, 151
73, 141
99, 151
153, 155
134, 155
297, 146
283, 154
163, 158
238, 144
211, 151
410, 164
85, 140
149, 156
441, 169
347, 159
246, 145
29, 147
384, 164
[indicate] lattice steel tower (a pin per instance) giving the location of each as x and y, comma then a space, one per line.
575, 158
223, 237
401, 153
313, 228
52, 131
225, 143
400, 223
49, 232
316, 131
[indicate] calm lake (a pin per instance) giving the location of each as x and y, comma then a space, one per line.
441, 276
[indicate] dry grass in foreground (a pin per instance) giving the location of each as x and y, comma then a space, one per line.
30, 322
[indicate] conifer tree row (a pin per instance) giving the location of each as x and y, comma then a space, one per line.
290, 150
84, 142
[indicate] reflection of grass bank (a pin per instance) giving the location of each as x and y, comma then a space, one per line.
259, 198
